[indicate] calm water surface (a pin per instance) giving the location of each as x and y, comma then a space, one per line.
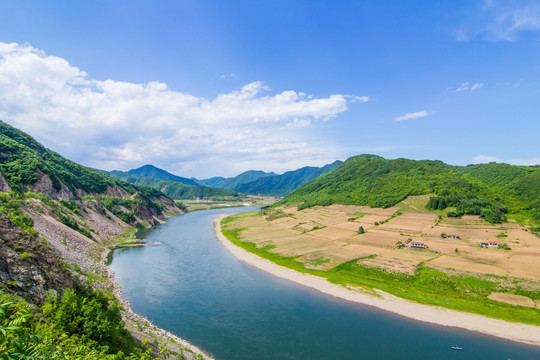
193, 287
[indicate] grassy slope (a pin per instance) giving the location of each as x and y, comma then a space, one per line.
462, 292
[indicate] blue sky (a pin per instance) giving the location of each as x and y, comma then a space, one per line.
204, 88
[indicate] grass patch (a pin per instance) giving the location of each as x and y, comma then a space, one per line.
356, 216
318, 261
414, 204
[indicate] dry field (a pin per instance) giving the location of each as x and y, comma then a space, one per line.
323, 237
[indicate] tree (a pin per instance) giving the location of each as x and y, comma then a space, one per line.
361, 230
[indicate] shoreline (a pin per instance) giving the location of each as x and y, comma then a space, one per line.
524, 333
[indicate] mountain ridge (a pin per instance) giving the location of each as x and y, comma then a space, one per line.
154, 172
375, 181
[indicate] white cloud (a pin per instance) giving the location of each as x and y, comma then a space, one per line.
466, 86
415, 115
527, 162
476, 86
225, 76
500, 20
483, 159
118, 125
353, 98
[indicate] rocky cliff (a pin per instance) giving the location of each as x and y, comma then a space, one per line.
29, 266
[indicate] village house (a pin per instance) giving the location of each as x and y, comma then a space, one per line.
418, 245
484, 244
493, 244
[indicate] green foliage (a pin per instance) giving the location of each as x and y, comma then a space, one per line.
10, 205
25, 256
72, 223
90, 314
468, 204
272, 214
71, 205
27, 333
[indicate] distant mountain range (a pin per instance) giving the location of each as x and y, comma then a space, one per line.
281, 185
175, 189
233, 183
249, 182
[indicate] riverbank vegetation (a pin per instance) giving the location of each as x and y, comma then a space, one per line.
82, 323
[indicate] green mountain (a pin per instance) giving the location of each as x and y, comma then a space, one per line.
217, 182
26, 165
488, 190
156, 173
174, 189
246, 177
281, 185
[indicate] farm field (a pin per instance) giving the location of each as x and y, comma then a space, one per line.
323, 238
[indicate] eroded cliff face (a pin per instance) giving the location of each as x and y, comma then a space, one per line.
4, 187
27, 265
44, 185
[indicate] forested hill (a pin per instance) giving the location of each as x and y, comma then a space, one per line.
174, 189
244, 178
489, 190
216, 181
26, 165
281, 185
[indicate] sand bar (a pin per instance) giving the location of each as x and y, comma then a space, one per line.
525, 333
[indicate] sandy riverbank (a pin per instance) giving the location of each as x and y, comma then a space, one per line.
529, 334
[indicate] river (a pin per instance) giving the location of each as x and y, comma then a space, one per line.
193, 287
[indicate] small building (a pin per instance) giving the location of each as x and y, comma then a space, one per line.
484, 244
418, 245
409, 240
493, 244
